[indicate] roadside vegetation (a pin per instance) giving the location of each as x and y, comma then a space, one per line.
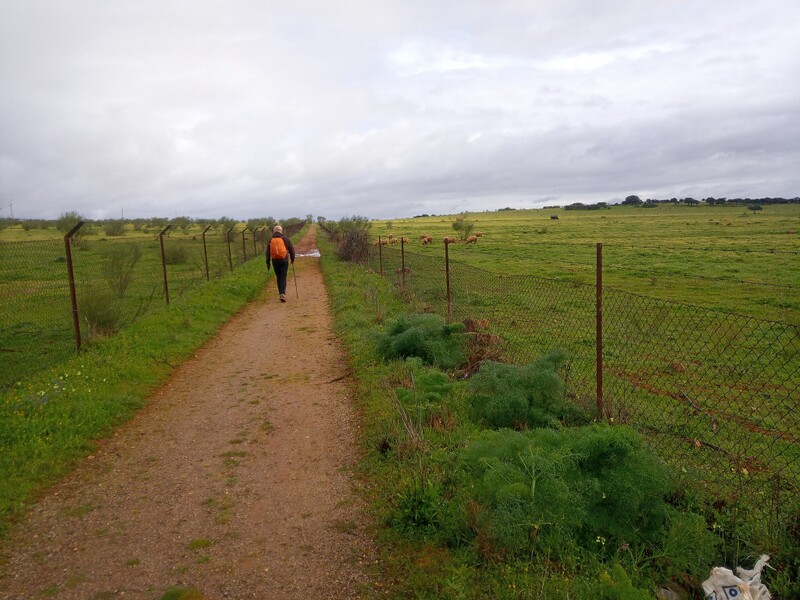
488, 482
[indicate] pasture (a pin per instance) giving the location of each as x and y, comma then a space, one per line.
700, 340
118, 279
721, 257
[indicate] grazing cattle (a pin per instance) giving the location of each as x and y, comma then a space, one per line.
393, 240
405, 240
449, 240
473, 239
478, 234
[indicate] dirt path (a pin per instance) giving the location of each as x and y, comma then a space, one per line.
234, 480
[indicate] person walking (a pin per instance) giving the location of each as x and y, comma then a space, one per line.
279, 253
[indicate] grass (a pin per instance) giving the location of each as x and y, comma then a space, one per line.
707, 366
113, 289
721, 257
396, 463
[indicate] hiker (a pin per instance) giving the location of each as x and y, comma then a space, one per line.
279, 253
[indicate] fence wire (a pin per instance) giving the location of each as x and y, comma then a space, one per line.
35, 310
117, 280
714, 393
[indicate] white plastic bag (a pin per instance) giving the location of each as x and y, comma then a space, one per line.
722, 584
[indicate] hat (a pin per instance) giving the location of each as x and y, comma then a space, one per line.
277, 229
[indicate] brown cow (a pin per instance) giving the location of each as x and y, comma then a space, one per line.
449, 240
472, 239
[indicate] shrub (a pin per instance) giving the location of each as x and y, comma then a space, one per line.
463, 227
175, 254
100, 311
114, 228
689, 546
520, 397
548, 490
117, 265
616, 585
425, 336
624, 484
352, 239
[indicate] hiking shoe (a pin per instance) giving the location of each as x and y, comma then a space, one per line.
283, 297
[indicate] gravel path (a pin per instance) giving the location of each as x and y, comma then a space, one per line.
235, 480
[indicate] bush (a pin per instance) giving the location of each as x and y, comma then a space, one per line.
616, 585
114, 228
117, 265
463, 227
425, 336
352, 239
596, 487
99, 310
520, 397
175, 254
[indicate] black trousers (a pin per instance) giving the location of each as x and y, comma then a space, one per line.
281, 272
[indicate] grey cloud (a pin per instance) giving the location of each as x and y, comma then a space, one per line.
245, 108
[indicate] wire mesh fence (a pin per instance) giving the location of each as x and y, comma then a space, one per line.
117, 280
714, 393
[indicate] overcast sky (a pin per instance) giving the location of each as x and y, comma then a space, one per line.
384, 108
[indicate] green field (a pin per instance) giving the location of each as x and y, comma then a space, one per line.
118, 280
724, 257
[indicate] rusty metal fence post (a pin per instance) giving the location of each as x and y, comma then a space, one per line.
403, 260
599, 333
447, 280
255, 249
244, 246
164, 262
228, 241
205, 252
76, 323
380, 254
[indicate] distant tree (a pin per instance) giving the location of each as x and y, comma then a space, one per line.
755, 207
632, 201
68, 220
114, 227
691, 202
181, 222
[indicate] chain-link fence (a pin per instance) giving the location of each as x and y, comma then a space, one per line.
716, 394
116, 280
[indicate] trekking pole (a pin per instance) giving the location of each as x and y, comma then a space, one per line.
295, 281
